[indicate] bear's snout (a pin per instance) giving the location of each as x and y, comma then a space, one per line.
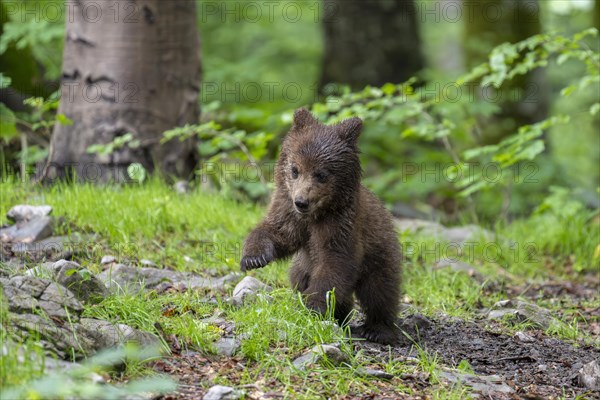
301, 204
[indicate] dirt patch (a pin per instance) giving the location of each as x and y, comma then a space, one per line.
534, 365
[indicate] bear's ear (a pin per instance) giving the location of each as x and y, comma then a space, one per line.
350, 129
303, 118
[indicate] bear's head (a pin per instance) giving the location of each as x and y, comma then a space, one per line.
319, 166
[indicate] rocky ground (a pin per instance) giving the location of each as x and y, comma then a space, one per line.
47, 290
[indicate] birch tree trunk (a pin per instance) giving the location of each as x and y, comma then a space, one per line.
130, 66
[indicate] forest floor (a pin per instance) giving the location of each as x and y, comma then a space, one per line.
515, 313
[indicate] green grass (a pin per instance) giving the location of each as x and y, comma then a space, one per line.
202, 232
177, 314
148, 221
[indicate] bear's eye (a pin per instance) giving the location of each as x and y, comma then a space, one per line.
294, 172
321, 176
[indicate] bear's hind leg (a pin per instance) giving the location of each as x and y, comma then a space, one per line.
300, 271
378, 292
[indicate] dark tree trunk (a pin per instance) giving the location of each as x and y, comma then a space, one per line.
129, 67
525, 98
370, 42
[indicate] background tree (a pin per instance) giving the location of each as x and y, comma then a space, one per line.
370, 42
129, 68
523, 100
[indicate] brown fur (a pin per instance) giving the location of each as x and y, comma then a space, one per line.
340, 235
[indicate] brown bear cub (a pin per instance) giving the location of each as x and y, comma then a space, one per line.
342, 238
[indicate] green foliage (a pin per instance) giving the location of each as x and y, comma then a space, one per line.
77, 381
405, 112
41, 32
281, 323
165, 314
117, 143
228, 149
148, 221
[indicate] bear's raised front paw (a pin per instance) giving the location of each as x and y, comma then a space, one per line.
382, 334
254, 262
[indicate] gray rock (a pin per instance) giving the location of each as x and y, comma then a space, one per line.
33, 286
523, 312
75, 243
181, 187
58, 301
488, 385
28, 231
248, 288
24, 212
121, 276
220, 392
107, 260
44, 270
19, 301
227, 346
459, 266
374, 373
65, 341
320, 353
148, 263
85, 286
106, 334
524, 337
27, 293
456, 235
589, 375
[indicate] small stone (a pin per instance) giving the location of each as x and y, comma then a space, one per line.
148, 263
319, 353
523, 337
220, 392
108, 260
248, 288
85, 286
227, 346
28, 231
374, 373
523, 312
589, 375
25, 212
487, 385
459, 266
181, 187
106, 334
74, 244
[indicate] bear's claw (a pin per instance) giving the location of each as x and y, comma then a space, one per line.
250, 262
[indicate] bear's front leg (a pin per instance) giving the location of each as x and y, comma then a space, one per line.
334, 275
259, 250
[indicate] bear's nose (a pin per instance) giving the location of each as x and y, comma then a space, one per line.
301, 203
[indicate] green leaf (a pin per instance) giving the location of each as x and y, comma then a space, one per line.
136, 172
5, 81
8, 124
63, 120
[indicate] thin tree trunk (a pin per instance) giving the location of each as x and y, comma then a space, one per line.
129, 67
370, 42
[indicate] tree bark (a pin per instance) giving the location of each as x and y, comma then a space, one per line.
370, 42
525, 98
129, 67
